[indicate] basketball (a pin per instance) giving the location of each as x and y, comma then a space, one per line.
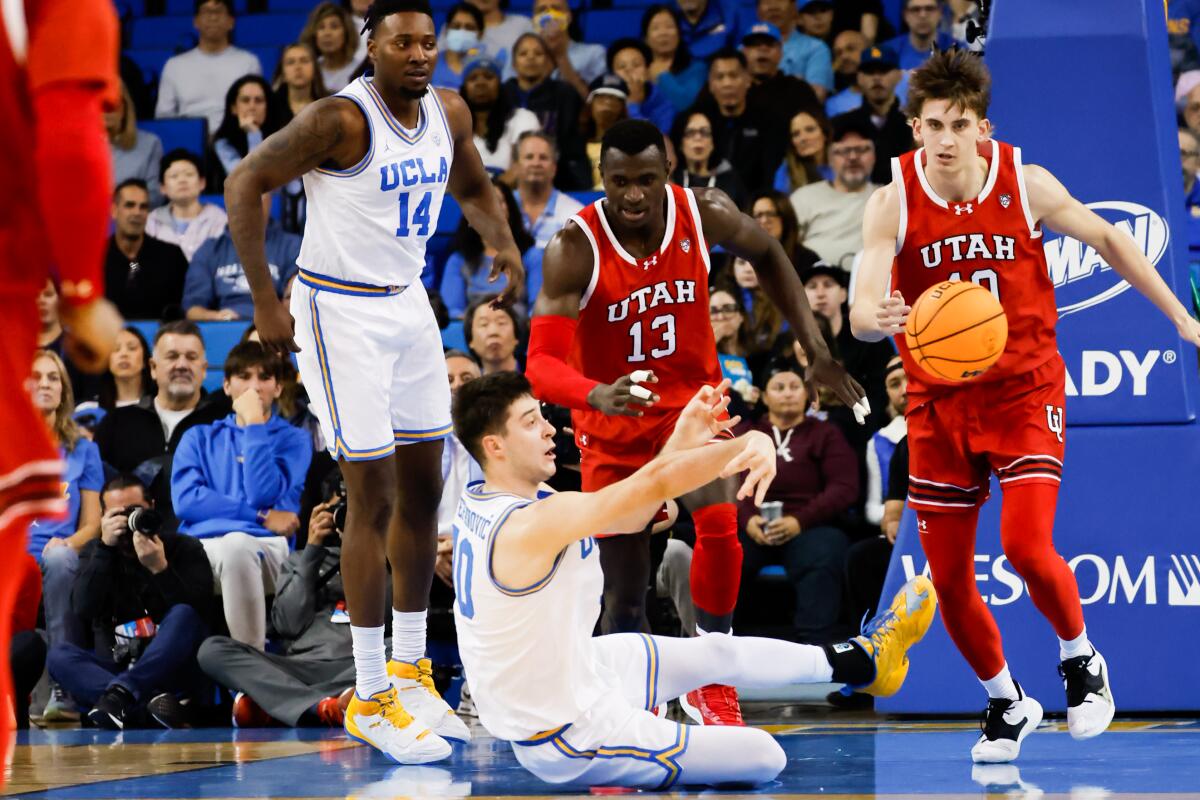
956, 330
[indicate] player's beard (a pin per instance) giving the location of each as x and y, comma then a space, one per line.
413, 94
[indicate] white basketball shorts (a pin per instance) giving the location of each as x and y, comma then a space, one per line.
371, 360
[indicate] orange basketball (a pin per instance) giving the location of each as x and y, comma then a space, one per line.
956, 330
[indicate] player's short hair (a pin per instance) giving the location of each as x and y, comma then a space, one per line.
383, 8
728, 54
248, 355
631, 137
179, 154
481, 408
136, 183
958, 76
179, 327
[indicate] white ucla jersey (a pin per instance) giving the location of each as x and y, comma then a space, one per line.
368, 224
526, 651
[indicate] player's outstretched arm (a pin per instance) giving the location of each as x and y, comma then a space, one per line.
329, 130
533, 536
472, 188
1052, 204
875, 314
725, 225
703, 418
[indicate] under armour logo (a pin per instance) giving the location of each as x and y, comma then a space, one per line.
923, 525
1054, 420
583, 439
650, 262
958, 210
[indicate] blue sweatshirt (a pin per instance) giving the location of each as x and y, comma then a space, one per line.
217, 281
223, 475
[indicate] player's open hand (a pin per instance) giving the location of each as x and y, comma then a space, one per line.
92, 331
1189, 331
757, 459
508, 263
626, 396
892, 314
827, 372
276, 327
703, 417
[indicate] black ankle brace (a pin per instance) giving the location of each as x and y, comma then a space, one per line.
851, 664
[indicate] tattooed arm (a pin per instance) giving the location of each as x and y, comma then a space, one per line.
330, 132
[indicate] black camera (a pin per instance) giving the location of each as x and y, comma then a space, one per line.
145, 521
338, 510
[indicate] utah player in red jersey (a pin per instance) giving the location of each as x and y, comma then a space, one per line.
965, 206
57, 73
624, 306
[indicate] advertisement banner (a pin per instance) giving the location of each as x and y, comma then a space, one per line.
1084, 88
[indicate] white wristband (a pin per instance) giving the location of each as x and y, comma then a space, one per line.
639, 375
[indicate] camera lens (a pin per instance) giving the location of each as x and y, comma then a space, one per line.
145, 521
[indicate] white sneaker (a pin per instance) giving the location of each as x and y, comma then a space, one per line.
382, 722
1006, 723
1004, 779
1090, 706
414, 686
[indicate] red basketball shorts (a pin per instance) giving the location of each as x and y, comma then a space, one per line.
1013, 427
29, 462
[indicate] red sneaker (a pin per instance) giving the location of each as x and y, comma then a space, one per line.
713, 705
332, 710
248, 714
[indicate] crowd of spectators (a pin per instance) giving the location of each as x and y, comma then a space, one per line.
202, 545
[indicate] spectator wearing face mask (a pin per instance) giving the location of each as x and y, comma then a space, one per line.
461, 41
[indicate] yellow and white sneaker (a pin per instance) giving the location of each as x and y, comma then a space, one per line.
893, 631
414, 686
382, 722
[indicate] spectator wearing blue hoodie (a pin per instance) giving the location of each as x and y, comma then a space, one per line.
216, 287
236, 486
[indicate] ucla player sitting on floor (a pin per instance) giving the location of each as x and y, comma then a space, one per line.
377, 159
576, 709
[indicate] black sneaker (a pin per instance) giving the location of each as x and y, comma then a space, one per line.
112, 708
1005, 725
168, 711
1090, 706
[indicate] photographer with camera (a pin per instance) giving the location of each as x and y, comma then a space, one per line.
310, 680
147, 591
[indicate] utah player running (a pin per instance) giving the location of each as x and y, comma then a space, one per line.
377, 158
576, 708
57, 75
625, 290
964, 206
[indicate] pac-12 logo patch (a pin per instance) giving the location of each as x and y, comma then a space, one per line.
686, 245
1005, 200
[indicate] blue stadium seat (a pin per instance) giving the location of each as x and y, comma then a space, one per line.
303, 6
451, 214
187, 132
268, 57
130, 8
185, 8
586, 198
268, 30
150, 61
169, 33
606, 26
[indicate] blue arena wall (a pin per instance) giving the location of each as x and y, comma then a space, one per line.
1083, 86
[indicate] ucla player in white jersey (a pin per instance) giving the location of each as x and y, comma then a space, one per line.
528, 582
376, 159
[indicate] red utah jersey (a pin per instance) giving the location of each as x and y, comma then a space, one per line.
645, 313
993, 241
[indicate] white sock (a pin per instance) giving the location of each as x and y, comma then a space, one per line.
1070, 648
370, 661
1001, 686
408, 635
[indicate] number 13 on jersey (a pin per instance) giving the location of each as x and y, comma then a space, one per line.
664, 325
